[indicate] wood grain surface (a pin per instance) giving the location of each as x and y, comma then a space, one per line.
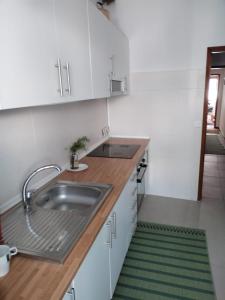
34, 279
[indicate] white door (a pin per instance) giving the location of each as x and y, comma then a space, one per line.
27, 53
73, 48
92, 279
100, 52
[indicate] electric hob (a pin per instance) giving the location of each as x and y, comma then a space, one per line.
115, 150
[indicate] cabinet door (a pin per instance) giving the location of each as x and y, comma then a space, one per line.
122, 227
27, 54
118, 250
92, 279
100, 52
119, 53
73, 48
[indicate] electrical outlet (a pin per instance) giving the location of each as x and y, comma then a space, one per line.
105, 131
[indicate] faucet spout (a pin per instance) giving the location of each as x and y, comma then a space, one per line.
27, 195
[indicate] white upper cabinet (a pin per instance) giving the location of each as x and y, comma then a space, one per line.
100, 52
27, 53
55, 51
119, 46
72, 34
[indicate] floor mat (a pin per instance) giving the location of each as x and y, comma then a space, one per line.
213, 145
166, 263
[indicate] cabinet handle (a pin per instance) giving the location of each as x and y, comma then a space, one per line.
109, 233
72, 294
67, 68
58, 66
134, 191
114, 225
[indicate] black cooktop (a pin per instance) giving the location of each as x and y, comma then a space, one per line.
115, 150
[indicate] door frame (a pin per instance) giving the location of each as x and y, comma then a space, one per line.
210, 51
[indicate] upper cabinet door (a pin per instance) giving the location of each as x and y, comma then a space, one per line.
100, 52
71, 18
28, 54
119, 54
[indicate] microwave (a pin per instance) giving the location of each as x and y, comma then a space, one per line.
118, 87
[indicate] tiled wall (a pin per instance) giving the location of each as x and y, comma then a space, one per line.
166, 106
35, 136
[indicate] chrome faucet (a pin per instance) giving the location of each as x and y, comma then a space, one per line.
26, 195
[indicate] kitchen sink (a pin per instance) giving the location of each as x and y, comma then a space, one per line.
59, 213
63, 196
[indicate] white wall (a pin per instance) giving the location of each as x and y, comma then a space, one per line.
35, 136
168, 41
164, 106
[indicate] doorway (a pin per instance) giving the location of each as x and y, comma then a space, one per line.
214, 81
213, 130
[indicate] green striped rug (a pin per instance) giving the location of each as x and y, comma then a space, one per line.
166, 263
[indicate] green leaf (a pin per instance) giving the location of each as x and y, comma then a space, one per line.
79, 144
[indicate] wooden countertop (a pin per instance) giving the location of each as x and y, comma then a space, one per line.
42, 280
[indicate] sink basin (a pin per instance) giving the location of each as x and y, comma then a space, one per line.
61, 211
63, 196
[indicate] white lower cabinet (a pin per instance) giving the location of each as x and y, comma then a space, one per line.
100, 270
122, 227
92, 279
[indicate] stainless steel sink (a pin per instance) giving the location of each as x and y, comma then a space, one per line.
60, 212
82, 197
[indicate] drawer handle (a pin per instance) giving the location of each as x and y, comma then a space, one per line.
134, 191
109, 234
71, 293
114, 225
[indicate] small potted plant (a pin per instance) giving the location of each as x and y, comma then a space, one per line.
78, 145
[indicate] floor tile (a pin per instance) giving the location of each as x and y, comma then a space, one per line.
170, 211
221, 173
212, 192
211, 158
211, 172
218, 278
208, 214
221, 158
211, 181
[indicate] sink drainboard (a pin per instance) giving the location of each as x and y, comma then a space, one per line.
48, 234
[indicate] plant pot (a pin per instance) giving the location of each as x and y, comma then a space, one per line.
74, 162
